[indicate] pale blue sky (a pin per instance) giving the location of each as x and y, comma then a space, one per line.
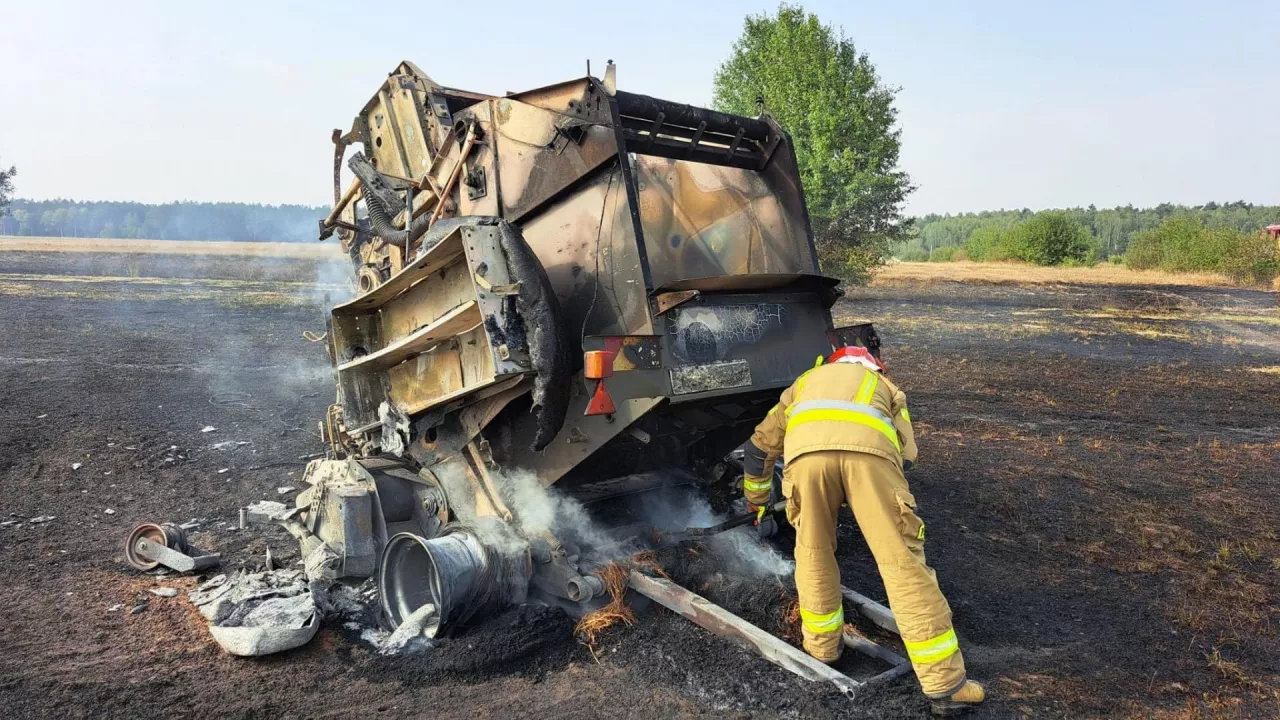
1003, 104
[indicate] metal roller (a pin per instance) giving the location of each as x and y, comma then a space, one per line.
168, 535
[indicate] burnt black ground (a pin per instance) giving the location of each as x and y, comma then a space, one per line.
1097, 478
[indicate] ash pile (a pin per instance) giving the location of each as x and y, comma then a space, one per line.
386, 554
386, 559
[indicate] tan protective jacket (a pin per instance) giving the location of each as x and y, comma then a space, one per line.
841, 406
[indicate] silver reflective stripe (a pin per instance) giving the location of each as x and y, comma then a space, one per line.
839, 405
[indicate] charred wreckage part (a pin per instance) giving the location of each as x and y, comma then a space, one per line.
576, 283
434, 576
152, 545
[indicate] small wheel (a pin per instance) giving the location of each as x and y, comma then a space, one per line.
147, 531
171, 536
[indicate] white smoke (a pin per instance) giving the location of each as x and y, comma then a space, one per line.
745, 555
335, 283
540, 511
741, 550
544, 513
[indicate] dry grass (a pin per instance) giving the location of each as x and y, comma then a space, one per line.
300, 251
1104, 274
791, 624
648, 560
615, 579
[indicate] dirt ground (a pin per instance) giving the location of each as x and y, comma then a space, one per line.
1097, 473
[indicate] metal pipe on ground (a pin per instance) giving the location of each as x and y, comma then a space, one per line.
881, 616
871, 610
707, 614
866, 647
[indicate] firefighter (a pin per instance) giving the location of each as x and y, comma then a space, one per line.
845, 436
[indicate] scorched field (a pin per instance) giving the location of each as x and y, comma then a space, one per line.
1098, 467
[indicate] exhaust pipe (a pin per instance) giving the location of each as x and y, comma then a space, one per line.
456, 573
584, 588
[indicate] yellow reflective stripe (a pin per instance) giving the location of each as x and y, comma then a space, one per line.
933, 649
920, 535
772, 410
905, 415
875, 423
867, 389
823, 622
756, 485
819, 361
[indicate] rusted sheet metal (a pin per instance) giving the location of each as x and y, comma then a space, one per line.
707, 614
545, 152
705, 221
431, 334
588, 248
479, 461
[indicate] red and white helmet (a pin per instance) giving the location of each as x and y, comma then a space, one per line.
854, 354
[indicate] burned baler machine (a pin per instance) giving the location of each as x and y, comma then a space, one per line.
575, 282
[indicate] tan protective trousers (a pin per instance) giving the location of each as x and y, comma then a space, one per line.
815, 485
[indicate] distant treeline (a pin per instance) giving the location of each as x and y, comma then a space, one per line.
1113, 228
170, 221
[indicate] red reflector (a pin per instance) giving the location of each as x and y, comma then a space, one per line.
601, 403
598, 364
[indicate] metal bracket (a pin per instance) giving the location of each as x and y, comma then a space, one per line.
173, 559
477, 185
670, 300
479, 461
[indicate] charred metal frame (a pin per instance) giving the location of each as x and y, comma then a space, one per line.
560, 143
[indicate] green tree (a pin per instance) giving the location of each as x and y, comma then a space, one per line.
945, 254
911, 250
1052, 238
130, 227
1185, 243
1251, 258
987, 244
23, 217
6, 187
841, 118
59, 221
